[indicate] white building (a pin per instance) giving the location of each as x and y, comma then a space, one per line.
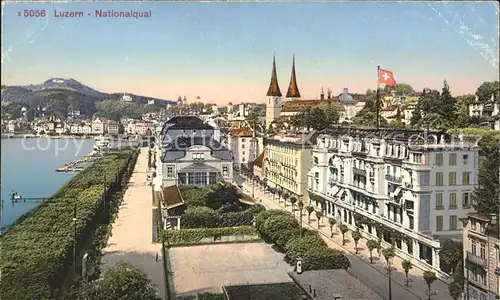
244, 145
415, 184
98, 126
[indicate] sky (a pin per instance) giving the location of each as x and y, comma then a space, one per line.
222, 52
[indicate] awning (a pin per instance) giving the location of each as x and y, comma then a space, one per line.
339, 193
334, 190
198, 167
397, 192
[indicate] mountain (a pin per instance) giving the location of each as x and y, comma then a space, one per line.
70, 92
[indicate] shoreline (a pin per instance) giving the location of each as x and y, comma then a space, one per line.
63, 136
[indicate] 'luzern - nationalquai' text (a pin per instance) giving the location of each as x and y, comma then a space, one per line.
99, 13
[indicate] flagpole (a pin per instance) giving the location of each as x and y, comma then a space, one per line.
378, 97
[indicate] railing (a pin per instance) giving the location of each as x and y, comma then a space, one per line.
358, 171
476, 260
392, 178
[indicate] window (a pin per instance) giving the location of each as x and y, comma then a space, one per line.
465, 157
424, 178
439, 179
412, 223
315, 160
439, 159
198, 156
465, 200
483, 250
243, 158
453, 159
452, 178
439, 223
453, 223
242, 140
225, 171
473, 225
212, 178
439, 201
242, 146
466, 178
453, 200
170, 172
473, 247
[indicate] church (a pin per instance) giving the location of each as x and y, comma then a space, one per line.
278, 106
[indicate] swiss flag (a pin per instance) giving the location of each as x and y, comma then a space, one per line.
386, 77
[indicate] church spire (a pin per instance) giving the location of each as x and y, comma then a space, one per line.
293, 90
274, 88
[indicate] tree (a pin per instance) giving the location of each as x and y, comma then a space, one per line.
403, 89
447, 104
356, 236
416, 117
371, 245
388, 254
456, 290
331, 222
122, 281
407, 266
293, 200
275, 224
343, 228
452, 254
310, 210
429, 277
486, 195
488, 88
319, 215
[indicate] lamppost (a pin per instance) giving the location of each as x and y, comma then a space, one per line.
389, 269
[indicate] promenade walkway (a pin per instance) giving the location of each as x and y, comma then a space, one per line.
131, 236
372, 275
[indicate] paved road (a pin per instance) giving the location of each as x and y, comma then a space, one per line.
372, 275
131, 238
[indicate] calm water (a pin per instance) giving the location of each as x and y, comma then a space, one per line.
28, 168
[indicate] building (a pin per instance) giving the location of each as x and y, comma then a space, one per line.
244, 145
351, 106
482, 256
415, 185
98, 126
274, 96
191, 154
143, 128
113, 127
287, 162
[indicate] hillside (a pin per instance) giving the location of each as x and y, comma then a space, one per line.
66, 92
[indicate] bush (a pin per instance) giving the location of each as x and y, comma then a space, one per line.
300, 245
285, 236
211, 296
200, 217
276, 223
196, 235
323, 258
232, 219
37, 252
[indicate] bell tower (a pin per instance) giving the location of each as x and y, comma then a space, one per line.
273, 102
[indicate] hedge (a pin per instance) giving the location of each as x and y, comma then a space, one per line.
205, 217
37, 253
283, 230
196, 235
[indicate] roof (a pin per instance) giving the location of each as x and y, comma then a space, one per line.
276, 291
304, 141
300, 105
260, 159
274, 89
346, 98
242, 132
199, 167
330, 284
185, 122
178, 147
172, 196
293, 89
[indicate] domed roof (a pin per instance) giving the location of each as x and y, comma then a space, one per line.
346, 98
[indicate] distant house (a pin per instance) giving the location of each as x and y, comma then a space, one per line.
12, 126
98, 126
114, 127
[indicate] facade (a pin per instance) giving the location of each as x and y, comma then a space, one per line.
482, 257
415, 184
114, 127
191, 154
98, 126
244, 145
287, 160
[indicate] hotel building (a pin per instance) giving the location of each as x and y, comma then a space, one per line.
482, 257
287, 160
412, 186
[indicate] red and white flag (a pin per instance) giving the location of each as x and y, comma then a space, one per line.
386, 77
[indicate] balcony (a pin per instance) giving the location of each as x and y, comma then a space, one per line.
357, 171
395, 179
472, 258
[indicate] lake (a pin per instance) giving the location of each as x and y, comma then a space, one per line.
28, 168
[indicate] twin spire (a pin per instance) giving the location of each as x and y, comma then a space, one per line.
274, 89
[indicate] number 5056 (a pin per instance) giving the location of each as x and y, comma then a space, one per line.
34, 13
